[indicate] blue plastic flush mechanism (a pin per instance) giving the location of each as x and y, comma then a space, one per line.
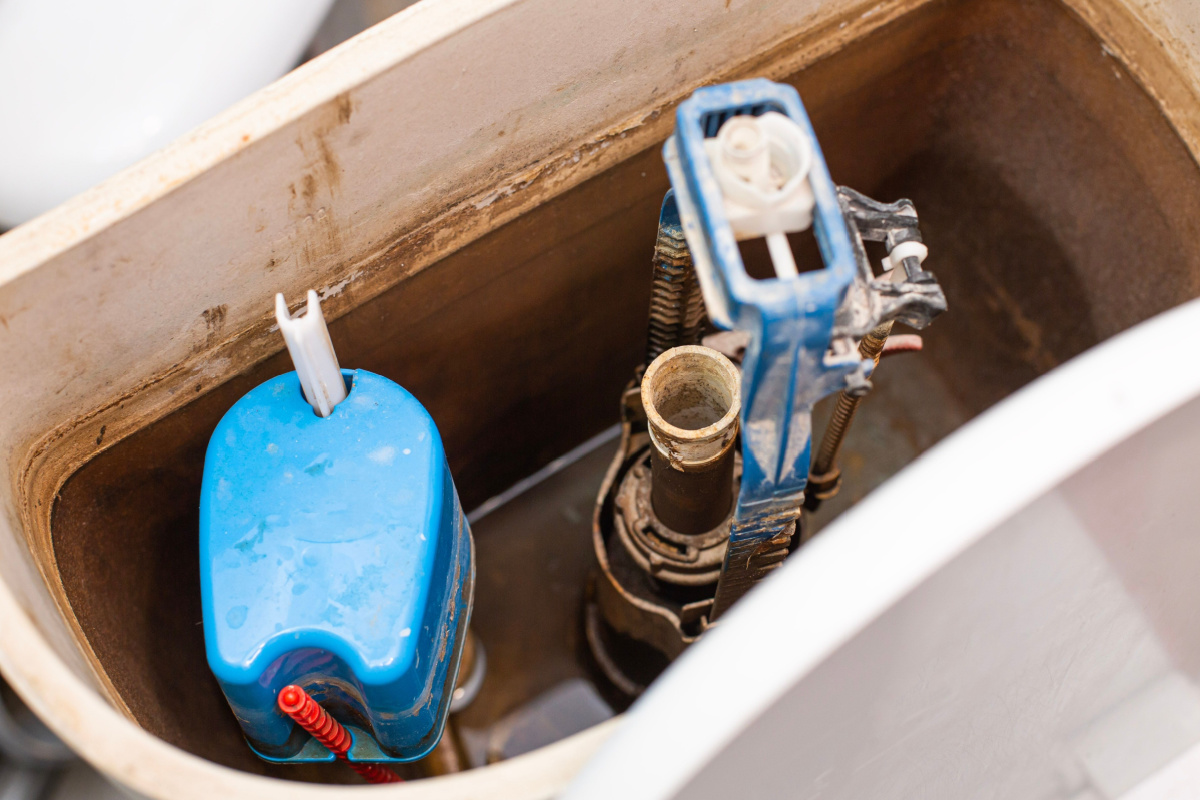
334, 555
744, 163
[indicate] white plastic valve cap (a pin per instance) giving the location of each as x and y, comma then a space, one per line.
311, 350
762, 165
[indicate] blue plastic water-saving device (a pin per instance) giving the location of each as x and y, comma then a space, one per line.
334, 555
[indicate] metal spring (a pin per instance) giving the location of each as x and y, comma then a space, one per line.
825, 477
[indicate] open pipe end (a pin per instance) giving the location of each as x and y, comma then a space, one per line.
692, 396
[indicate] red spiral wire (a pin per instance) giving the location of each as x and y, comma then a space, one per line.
903, 343
308, 714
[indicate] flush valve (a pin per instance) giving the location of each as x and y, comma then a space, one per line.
679, 540
802, 327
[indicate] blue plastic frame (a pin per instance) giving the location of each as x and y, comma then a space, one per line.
787, 367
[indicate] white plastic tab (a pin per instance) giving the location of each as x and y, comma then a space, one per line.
903, 251
781, 255
311, 350
762, 164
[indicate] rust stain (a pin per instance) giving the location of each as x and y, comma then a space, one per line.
308, 189
329, 165
5, 318
345, 107
214, 321
317, 236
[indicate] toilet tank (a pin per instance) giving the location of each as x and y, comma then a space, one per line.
472, 187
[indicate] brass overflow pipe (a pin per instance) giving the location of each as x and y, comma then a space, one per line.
692, 397
825, 477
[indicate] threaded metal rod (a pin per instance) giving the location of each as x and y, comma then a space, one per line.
825, 477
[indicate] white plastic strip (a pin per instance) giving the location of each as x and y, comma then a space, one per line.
781, 255
312, 354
